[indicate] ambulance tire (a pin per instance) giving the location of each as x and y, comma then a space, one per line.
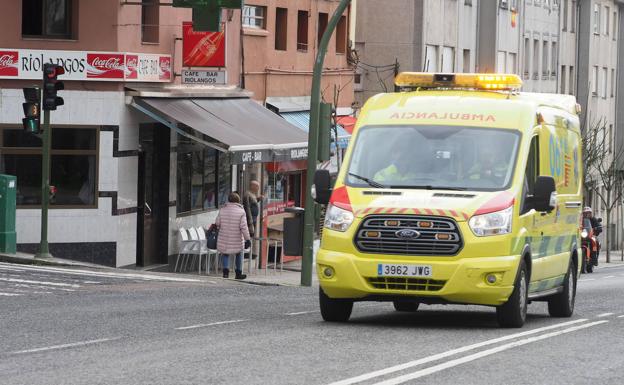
562, 304
409, 307
512, 314
334, 310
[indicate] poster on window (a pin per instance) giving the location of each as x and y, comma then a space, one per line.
202, 49
28, 64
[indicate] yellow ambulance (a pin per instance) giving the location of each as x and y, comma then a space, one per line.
457, 190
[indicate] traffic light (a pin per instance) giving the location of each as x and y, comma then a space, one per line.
51, 85
32, 110
207, 13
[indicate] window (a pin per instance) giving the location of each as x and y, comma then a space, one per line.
597, 19
531, 173
610, 138
615, 24
150, 15
553, 59
501, 62
431, 58
203, 177
511, 63
606, 12
594, 79
527, 58
467, 61
545, 72
613, 79
562, 85
467, 2
565, 15
573, 17
571, 79
47, 18
536, 46
73, 165
322, 26
302, 31
254, 17
448, 60
281, 29
605, 82
504, 4
341, 35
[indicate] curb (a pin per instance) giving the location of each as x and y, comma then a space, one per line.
41, 262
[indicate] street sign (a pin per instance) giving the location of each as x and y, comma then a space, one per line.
203, 77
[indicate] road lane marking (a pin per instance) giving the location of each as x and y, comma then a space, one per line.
72, 345
39, 282
604, 315
621, 316
485, 353
302, 312
211, 324
9, 294
435, 357
144, 277
610, 276
588, 279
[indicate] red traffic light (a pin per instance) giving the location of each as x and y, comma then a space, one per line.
53, 70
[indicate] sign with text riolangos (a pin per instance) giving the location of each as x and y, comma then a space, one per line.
202, 49
87, 65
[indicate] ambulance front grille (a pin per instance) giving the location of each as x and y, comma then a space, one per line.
437, 236
406, 284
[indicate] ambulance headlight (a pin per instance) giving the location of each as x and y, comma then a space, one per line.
497, 223
338, 219
584, 233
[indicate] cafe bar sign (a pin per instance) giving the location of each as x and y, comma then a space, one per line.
27, 64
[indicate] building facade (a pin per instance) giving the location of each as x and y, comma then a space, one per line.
136, 151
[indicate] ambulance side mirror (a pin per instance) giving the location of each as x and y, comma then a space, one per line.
321, 190
545, 197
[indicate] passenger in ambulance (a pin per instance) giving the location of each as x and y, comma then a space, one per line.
410, 160
491, 165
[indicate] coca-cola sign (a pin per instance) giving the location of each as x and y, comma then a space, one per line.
8, 63
105, 66
87, 66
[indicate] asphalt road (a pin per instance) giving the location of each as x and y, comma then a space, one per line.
63, 326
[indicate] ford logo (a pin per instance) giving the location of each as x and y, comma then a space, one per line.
407, 234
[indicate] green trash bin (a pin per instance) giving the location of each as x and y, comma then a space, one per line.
8, 236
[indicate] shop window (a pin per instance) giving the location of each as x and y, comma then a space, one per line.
254, 17
73, 166
203, 177
281, 29
150, 17
322, 25
341, 36
50, 19
302, 31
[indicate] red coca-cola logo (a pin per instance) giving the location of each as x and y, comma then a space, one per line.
165, 68
8, 63
132, 62
105, 66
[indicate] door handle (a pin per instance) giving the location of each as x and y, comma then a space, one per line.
148, 210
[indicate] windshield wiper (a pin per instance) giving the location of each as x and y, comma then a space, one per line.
370, 182
429, 187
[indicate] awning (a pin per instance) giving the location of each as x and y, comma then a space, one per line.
250, 131
347, 122
302, 120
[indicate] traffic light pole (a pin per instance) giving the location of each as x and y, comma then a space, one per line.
44, 251
313, 141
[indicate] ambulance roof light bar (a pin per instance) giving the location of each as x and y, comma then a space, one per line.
489, 82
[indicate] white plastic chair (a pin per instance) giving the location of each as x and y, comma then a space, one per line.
196, 250
185, 247
204, 250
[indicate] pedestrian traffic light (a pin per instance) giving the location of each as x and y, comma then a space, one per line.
32, 110
51, 85
207, 13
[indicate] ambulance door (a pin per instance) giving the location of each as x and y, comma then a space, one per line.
529, 218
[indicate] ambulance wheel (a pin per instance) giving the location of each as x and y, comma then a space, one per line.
405, 306
512, 313
334, 310
562, 304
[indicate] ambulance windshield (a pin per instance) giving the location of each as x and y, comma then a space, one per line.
434, 157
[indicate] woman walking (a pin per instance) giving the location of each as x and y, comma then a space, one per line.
233, 234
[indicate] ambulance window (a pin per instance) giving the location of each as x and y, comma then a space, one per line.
532, 171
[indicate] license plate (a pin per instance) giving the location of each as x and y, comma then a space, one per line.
394, 270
